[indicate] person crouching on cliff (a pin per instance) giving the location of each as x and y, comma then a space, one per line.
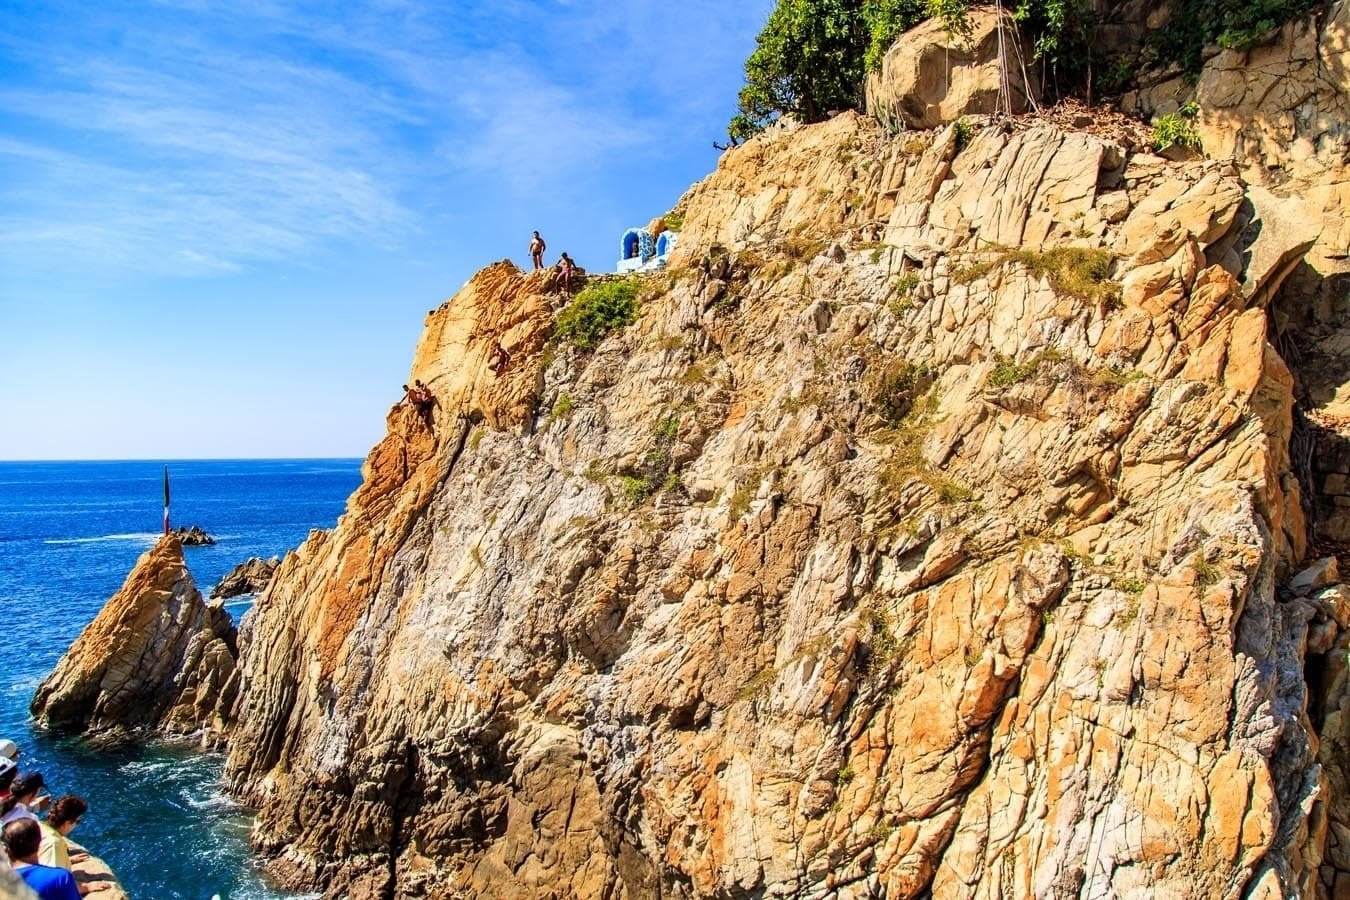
22, 839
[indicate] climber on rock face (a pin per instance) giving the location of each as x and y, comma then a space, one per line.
424, 401
499, 357
537, 248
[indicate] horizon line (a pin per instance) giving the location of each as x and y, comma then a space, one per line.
183, 459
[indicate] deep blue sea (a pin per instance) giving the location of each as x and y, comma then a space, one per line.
69, 534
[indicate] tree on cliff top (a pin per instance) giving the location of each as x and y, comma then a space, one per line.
812, 55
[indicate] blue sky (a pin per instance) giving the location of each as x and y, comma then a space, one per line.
221, 224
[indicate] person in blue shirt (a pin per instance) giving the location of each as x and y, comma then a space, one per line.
22, 839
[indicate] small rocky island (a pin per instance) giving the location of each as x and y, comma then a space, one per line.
249, 577
193, 536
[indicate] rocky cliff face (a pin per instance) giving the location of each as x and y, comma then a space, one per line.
934, 530
157, 659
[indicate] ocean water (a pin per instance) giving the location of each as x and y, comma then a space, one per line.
69, 534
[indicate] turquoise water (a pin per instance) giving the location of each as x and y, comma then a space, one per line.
69, 534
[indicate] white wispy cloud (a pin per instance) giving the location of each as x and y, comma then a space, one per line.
209, 137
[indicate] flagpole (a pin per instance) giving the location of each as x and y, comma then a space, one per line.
166, 499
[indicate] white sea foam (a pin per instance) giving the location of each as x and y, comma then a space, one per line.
212, 800
146, 537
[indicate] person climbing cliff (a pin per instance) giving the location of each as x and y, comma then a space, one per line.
424, 401
498, 358
566, 267
537, 248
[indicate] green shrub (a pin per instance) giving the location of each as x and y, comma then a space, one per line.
596, 311
636, 489
674, 221
962, 131
1177, 129
1008, 372
562, 407
1234, 24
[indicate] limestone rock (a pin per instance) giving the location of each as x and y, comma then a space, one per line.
735, 621
157, 659
249, 577
931, 77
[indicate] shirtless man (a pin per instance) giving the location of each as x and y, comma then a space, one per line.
537, 248
424, 401
565, 269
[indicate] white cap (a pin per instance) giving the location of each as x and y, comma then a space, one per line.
8, 749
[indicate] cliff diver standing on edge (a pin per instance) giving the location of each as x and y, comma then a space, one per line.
537, 248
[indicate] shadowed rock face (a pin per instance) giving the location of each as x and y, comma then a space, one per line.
249, 577
875, 559
157, 659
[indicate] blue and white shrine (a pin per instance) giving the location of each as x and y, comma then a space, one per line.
639, 251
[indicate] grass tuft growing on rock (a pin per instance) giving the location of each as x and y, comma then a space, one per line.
1073, 271
597, 311
1008, 372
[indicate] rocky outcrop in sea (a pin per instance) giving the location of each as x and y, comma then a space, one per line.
249, 577
157, 660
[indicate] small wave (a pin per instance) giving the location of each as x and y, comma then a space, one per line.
147, 766
148, 537
213, 800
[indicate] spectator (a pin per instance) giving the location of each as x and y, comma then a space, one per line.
24, 798
64, 815
9, 770
22, 839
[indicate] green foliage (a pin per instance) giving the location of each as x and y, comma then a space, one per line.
1234, 24
562, 407
596, 311
1009, 372
674, 221
1129, 584
636, 489
667, 428
807, 61
962, 132
1177, 129
886, 20
1063, 33
811, 56
901, 300
953, 14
